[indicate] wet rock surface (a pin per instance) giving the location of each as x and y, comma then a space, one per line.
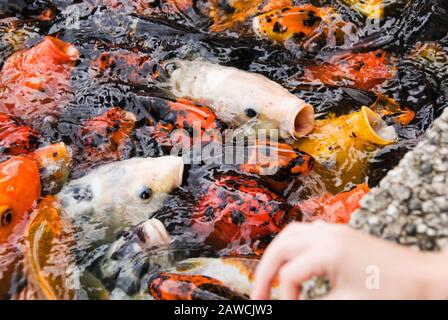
410, 205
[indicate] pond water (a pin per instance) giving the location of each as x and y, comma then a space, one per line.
123, 47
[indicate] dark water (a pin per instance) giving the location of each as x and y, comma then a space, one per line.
419, 84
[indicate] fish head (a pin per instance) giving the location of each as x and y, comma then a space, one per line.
19, 192
121, 194
54, 162
134, 251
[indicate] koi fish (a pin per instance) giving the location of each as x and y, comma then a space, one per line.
364, 71
305, 25
207, 279
333, 208
15, 137
262, 99
372, 9
225, 212
19, 192
342, 145
35, 82
126, 66
270, 157
103, 139
229, 14
54, 163
48, 256
172, 286
237, 210
389, 108
117, 195
169, 116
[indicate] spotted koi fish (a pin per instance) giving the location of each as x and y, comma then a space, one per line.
226, 211
35, 82
169, 116
363, 71
372, 9
15, 137
304, 25
103, 138
230, 14
124, 65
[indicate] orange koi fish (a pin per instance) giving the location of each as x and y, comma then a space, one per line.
333, 208
15, 137
124, 65
186, 115
47, 253
235, 210
19, 192
272, 157
387, 107
54, 163
35, 82
103, 138
228, 14
305, 25
361, 70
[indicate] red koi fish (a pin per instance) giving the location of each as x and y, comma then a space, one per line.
15, 137
36, 82
333, 208
389, 108
361, 70
234, 210
104, 138
182, 114
172, 286
124, 65
19, 192
277, 158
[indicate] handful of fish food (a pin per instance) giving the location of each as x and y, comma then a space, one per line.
153, 150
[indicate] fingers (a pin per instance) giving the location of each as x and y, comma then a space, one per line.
300, 269
283, 248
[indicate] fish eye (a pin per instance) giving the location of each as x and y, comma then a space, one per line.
146, 193
170, 67
6, 218
250, 113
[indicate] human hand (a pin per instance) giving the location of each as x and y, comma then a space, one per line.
351, 260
